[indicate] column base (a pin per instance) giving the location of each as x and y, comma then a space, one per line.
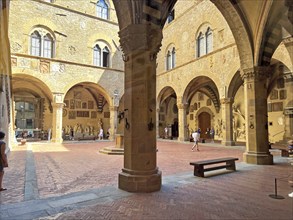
140, 181
228, 143
59, 141
258, 158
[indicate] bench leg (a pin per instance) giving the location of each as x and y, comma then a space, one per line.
198, 171
284, 153
231, 165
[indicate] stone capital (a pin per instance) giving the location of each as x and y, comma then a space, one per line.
181, 106
256, 73
57, 105
227, 100
141, 37
113, 108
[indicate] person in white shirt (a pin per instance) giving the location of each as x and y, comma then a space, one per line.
101, 134
196, 136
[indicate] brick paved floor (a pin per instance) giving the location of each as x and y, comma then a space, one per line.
78, 168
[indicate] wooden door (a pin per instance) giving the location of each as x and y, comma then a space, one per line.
204, 123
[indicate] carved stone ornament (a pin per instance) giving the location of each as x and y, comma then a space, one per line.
15, 47
256, 73
13, 61
44, 66
141, 37
72, 50
227, 100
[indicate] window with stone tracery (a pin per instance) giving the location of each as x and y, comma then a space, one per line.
102, 9
171, 58
204, 42
101, 54
42, 43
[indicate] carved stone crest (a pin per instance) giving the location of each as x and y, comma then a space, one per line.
44, 66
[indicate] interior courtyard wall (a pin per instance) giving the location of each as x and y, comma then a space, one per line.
182, 33
220, 65
75, 35
87, 7
73, 31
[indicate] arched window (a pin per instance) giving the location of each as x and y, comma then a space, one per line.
205, 42
97, 55
106, 57
209, 41
42, 44
35, 44
101, 56
171, 58
102, 9
48, 46
200, 45
168, 60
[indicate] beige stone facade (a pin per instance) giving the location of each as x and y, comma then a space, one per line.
191, 80
70, 74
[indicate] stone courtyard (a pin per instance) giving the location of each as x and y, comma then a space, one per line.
74, 181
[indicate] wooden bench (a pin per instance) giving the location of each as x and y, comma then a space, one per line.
199, 165
284, 150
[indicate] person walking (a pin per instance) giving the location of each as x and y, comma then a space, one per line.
3, 159
101, 134
196, 136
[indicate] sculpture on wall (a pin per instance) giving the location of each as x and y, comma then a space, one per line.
219, 128
239, 132
100, 124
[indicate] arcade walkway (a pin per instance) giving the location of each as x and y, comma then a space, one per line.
74, 181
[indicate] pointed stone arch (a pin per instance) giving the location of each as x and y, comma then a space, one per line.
239, 30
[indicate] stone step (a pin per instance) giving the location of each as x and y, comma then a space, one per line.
112, 151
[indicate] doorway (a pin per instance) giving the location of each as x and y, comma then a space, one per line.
204, 123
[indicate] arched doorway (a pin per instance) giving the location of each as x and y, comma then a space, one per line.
204, 122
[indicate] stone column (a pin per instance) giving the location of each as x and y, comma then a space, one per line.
140, 43
256, 116
288, 111
227, 116
182, 122
57, 106
113, 122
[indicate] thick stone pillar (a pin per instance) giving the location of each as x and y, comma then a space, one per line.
113, 122
182, 122
256, 115
140, 43
57, 119
227, 116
